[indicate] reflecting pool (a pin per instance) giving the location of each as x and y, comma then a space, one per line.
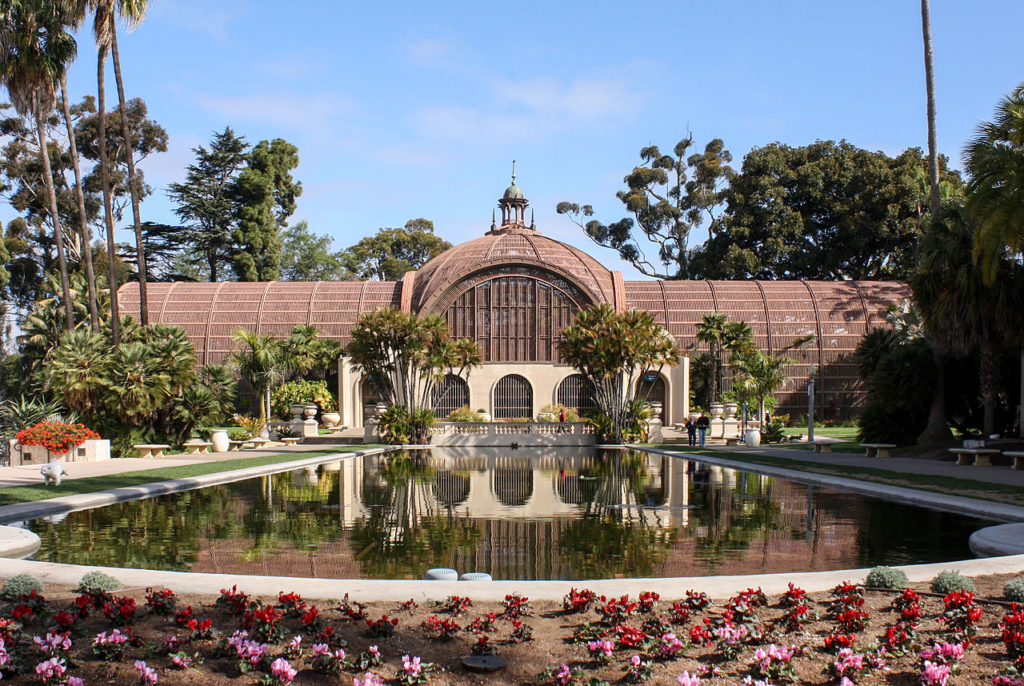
516, 514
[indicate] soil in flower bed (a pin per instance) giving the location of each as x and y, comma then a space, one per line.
444, 632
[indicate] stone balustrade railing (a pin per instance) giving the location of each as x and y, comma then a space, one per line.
507, 433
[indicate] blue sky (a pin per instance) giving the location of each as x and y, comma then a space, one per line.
404, 110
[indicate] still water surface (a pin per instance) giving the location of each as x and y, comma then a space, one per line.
525, 514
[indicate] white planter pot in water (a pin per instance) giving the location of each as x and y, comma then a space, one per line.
752, 438
219, 439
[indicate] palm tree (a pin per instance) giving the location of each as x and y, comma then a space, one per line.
34, 53
961, 310
995, 162
929, 75
759, 376
78, 368
132, 11
83, 223
101, 29
711, 330
261, 363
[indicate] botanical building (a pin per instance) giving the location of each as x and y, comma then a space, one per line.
514, 290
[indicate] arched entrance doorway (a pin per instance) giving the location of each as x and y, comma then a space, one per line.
576, 392
513, 398
652, 389
449, 395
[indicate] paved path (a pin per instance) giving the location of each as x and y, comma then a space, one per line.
29, 474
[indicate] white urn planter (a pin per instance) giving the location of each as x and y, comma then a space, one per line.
220, 441
717, 410
331, 419
752, 438
310, 411
485, 416
730, 410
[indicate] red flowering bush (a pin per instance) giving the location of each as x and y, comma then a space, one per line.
1012, 628
57, 437
961, 615
578, 601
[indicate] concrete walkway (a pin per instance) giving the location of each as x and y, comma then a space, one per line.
26, 475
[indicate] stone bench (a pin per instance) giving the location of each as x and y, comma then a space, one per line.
151, 449
1018, 458
290, 440
824, 445
238, 445
733, 440
258, 442
978, 457
877, 449
196, 447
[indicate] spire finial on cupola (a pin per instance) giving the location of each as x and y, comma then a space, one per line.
533, 224
513, 172
492, 219
513, 204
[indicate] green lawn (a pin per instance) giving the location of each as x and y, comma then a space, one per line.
24, 494
847, 434
984, 490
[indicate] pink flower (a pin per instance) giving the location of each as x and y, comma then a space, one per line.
935, 675
321, 649
147, 675
687, 679
54, 668
75, 681
411, 666
604, 647
635, 660
369, 679
283, 670
845, 681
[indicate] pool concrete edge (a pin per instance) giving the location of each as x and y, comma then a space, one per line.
388, 590
992, 541
21, 512
404, 589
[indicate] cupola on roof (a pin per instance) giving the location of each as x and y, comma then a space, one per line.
512, 242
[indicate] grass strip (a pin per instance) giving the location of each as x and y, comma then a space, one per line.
950, 485
26, 494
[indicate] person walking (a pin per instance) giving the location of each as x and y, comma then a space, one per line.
703, 423
691, 431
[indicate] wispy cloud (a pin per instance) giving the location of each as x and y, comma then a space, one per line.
297, 111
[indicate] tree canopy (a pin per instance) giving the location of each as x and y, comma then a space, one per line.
391, 252
668, 197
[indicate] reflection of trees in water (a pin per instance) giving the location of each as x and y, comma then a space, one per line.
616, 534
412, 531
734, 514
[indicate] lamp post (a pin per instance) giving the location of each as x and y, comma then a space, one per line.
810, 402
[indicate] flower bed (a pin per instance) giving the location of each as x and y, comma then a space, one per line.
849, 636
57, 437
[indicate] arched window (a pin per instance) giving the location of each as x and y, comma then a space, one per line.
575, 391
515, 318
449, 395
652, 389
513, 397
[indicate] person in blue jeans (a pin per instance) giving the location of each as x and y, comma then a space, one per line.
703, 424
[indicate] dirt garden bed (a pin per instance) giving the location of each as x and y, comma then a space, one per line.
619, 640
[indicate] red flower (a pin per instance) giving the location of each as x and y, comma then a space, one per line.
57, 437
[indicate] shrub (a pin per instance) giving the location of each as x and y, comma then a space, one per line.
887, 577
20, 585
251, 425
98, 581
772, 432
57, 437
948, 581
464, 414
1014, 590
571, 415
238, 435
398, 426
301, 392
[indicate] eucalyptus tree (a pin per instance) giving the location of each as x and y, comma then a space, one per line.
668, 197
614, 351
35, 49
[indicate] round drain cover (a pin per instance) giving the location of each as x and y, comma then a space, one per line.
484, 663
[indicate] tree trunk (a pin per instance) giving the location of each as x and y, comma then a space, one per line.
44, 153
988, 375
929, 76
83, 223
133, 185
108, 212
936, 431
